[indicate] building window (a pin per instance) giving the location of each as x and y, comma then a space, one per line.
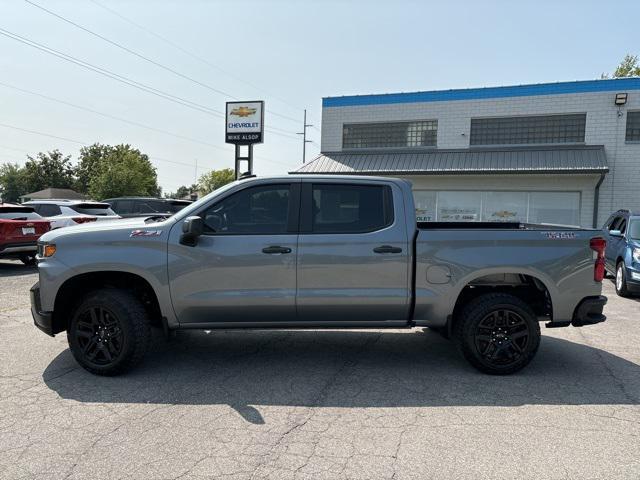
562, 208
633, 127
528, 130
389, 135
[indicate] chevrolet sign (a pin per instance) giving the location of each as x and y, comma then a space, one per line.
244, 122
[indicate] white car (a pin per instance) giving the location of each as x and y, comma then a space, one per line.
66, 213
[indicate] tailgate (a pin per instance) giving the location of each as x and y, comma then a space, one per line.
22, 230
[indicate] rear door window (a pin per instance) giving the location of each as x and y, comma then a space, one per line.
344, 208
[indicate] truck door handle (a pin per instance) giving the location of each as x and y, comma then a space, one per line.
387, 249
275, 250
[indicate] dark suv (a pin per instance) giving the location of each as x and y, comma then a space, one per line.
128, 207
622, 231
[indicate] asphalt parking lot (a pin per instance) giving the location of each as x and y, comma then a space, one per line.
323, 404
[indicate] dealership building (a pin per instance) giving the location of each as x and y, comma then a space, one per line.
565, 153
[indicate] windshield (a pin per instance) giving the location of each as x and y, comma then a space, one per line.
634, 229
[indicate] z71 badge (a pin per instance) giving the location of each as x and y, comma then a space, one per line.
145, 233
559, 235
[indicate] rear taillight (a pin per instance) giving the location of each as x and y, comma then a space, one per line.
598, 245
84, 219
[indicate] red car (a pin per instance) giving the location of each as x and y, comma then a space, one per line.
20, 228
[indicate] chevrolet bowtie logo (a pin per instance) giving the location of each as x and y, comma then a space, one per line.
243, 111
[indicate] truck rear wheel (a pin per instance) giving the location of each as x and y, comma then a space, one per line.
109, 332
498, 333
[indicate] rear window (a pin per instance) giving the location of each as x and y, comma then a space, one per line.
18, 213
176, 206
151, 206
97, 209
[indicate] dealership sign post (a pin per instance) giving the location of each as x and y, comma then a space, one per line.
244, 126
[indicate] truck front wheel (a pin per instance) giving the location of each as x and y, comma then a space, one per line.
109, 332
498, 333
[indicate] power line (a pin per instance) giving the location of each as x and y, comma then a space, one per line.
113, 117
35, 132
197, 57
112, 75
143, 57
132, 52
79, 142
123, 79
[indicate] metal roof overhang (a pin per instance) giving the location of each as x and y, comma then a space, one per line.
575, 159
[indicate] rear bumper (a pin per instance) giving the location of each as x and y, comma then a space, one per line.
15, 249
589, 311
42, 320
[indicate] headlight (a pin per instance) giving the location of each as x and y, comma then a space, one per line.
636, 255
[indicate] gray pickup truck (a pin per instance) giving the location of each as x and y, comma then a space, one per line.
315, 252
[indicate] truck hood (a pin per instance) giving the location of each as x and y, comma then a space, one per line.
109, 227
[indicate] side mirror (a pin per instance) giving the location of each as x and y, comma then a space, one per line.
615, 233
192, 228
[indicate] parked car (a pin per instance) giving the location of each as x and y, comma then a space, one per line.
20, 228
129, 207
622, 232
315, 252
66, 213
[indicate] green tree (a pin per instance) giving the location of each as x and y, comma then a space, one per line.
215, 179
182, 191
89, 164
11, 182
123, 171
51, 169
629, 67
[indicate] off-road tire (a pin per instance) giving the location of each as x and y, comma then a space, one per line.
471, 329
120, 308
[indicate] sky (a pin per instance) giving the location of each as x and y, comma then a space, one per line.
288, 53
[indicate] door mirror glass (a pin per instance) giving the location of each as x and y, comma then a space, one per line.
192, 228
615, 233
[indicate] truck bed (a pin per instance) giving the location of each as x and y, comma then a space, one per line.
453, 256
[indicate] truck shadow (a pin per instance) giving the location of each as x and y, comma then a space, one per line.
10, 268
346, 369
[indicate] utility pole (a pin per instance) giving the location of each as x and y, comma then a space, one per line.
304, 136
195, 173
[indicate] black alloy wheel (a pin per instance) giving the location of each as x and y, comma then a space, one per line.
497, 333
501, 337
109, 331
99, 335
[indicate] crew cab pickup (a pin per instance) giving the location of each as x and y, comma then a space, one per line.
311, 252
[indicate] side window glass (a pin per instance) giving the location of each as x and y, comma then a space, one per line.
343, 208
124, 206
614, 224
256, 210
623, 226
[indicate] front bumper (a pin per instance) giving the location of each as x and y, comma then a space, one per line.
589, 311
42, 320
633, 278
